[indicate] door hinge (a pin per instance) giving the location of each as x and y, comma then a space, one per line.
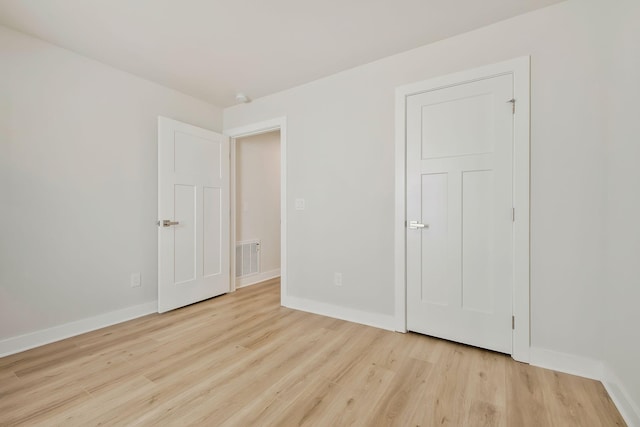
513, 322
513, 105
513, 214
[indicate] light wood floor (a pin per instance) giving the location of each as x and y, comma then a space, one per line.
242, 360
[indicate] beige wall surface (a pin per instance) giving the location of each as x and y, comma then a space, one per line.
258, 195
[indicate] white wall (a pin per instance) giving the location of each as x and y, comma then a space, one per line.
258, 195
622, 284
340, 158
78, 183
585, 203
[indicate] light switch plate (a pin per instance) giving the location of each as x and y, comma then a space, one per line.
299, 204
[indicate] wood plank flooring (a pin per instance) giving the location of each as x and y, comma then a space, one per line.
242, 360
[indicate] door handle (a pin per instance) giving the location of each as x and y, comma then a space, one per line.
415, 225
168, 223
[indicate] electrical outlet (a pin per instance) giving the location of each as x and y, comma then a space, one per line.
136, 280
337, 279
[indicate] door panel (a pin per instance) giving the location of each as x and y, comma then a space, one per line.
184, 233
434, 203
477, 269
445, 137
459, 183
212, 245
193, 192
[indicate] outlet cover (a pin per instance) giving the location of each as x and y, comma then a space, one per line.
337, 279
136, 280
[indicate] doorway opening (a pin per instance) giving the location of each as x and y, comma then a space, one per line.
258, 204
257, 208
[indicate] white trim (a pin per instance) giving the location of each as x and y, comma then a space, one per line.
256, 129
232, 215
621, 397
593, 369
521, 189
399, 235
520, 69
567, 363
376, 320
254, 279
46, 336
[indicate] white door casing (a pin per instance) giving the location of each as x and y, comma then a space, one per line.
467, 166
193, 193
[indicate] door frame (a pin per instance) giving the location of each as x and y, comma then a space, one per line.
272, 125
520, 69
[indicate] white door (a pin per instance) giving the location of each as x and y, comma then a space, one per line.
193, 213
460, 187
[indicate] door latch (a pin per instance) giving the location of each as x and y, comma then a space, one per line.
167, 223
414, 225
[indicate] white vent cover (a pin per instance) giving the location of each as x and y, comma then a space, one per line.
247, 258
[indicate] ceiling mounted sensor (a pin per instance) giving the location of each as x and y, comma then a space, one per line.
242, 98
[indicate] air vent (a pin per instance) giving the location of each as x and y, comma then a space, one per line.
247, 258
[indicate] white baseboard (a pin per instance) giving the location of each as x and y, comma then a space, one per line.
620, 396
593, 369
567, 363
257, 278
376, 320
45, 336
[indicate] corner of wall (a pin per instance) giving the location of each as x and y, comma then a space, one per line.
621, 397
592, 369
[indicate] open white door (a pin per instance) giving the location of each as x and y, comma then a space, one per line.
193, 214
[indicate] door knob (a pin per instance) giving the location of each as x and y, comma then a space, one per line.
414, 225
168, 222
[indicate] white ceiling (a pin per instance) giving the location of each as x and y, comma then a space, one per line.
212, 49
